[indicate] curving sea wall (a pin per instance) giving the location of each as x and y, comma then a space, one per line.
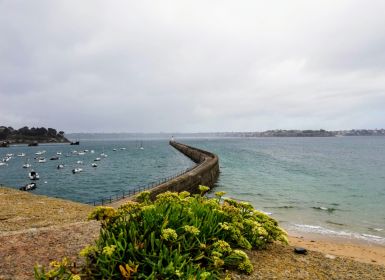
205, 173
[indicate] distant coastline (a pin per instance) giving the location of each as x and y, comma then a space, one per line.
30, 136
268, 133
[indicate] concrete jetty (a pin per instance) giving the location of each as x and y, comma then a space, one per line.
206, 173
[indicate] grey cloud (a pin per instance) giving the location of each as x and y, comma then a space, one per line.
192, 66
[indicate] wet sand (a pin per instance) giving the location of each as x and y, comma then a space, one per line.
353, 249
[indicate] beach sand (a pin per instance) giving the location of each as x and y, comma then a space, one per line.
356, 250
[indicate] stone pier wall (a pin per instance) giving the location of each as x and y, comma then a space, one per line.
205, 173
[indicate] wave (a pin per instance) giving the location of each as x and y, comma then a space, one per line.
335, 223
330, 210
345, 234
280, 207
376, 229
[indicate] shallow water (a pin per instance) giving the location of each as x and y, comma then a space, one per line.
332, 186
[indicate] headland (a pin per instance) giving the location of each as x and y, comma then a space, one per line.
31, 136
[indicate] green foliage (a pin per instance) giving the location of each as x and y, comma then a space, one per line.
59, 270
177, 236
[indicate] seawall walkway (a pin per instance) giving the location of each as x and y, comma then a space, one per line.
206, 173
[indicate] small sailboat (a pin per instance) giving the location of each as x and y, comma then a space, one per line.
141, 146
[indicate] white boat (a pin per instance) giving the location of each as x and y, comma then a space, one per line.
92, 151
6, 159
141, 146
41, 160
21, 155
76, 170
3, 163
33, 175
40, 153
28, 187
94, 165
79, 162
58, 153
26, 165
103, 155
97, 159
9, 155
81, 153
122, 149
114, 149
60, 166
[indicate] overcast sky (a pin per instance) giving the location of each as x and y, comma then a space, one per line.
192, 66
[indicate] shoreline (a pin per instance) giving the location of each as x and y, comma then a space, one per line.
331, 246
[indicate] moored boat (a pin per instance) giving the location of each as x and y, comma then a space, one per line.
33, 175
76, 170
28, 187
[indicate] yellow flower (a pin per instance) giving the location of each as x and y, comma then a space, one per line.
144, 196
220, 194
225, 226
203, 189
75, 277
89, 249
191, 229
184, 194
222, 246
55, 264
205, 275
169, 234
102, 213
109, 250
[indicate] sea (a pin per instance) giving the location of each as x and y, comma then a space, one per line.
332, 186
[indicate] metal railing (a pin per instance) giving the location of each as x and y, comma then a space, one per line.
137, 189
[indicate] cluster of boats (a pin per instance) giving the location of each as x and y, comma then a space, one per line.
39, 157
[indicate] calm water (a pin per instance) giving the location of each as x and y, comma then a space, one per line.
333, 186
120, 170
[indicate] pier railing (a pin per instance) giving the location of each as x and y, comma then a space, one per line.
132, 191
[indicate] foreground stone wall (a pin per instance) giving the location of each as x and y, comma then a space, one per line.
205, 173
